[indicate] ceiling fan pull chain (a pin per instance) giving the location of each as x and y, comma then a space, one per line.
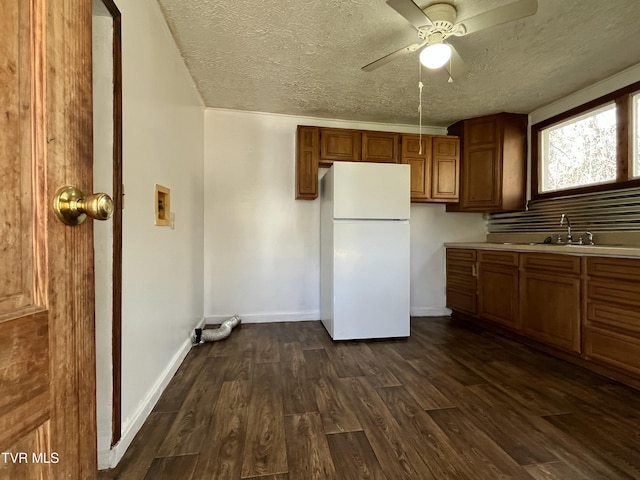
420, 85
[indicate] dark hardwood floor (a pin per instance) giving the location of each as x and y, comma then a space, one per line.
282, 401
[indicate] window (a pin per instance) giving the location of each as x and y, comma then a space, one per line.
594, 147
636, 135
580, 151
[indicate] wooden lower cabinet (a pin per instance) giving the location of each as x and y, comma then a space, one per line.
461, 280
550, 309
612, 320
498, 287
550, 302
587, 306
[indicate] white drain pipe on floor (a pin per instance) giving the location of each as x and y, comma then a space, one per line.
215, 334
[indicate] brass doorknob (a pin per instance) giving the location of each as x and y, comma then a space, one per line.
72, 207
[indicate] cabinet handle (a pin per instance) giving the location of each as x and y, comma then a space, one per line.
474, 270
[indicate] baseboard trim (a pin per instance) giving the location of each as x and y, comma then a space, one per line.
111, 458
313, 315
266, 317
430, 312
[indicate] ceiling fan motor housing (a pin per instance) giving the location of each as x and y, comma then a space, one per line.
443, 19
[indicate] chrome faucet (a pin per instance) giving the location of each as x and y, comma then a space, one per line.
562, 219
589, 236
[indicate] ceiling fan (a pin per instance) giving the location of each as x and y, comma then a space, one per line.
438, 22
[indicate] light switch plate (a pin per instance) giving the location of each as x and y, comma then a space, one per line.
162, 206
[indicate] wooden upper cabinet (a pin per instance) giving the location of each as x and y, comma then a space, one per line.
340, 144
434, 159
493, 163
419, 159
434, 167
380, 147
445, 166
307, 146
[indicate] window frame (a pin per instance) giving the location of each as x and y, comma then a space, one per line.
624, 143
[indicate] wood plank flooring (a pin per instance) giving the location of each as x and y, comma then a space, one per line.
282, 401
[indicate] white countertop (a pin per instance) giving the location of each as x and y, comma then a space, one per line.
573, 249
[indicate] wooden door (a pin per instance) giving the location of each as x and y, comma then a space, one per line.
47, 346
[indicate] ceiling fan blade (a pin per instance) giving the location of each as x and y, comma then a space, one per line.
411, 12
456, 66
392, 56
500, 15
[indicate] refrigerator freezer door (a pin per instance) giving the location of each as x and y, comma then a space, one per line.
371, 280
371, 190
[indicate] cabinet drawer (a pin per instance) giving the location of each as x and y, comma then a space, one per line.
461, 300
621, 351
549, 262
620, 317
498, 257
468, 254
457, 279
613, 291
623, 268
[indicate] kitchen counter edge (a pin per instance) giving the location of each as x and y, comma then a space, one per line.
579, 250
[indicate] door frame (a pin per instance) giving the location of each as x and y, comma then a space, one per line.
118, 197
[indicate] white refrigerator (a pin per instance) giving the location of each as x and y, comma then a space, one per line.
364, 250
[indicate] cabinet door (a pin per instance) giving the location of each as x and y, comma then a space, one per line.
481, 179
420, 161
445, 168
340, 144
498, 294
380, 147
550, 308
482, 165
308, 140
461, 281
493, 163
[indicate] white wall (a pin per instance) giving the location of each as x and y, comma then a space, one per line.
162, 267
608, 85
261, 252
103, 231
597, 90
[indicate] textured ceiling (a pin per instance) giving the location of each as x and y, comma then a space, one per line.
303, 57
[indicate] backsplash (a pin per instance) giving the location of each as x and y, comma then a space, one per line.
612, 211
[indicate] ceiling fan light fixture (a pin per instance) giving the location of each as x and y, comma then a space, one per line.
435, 55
